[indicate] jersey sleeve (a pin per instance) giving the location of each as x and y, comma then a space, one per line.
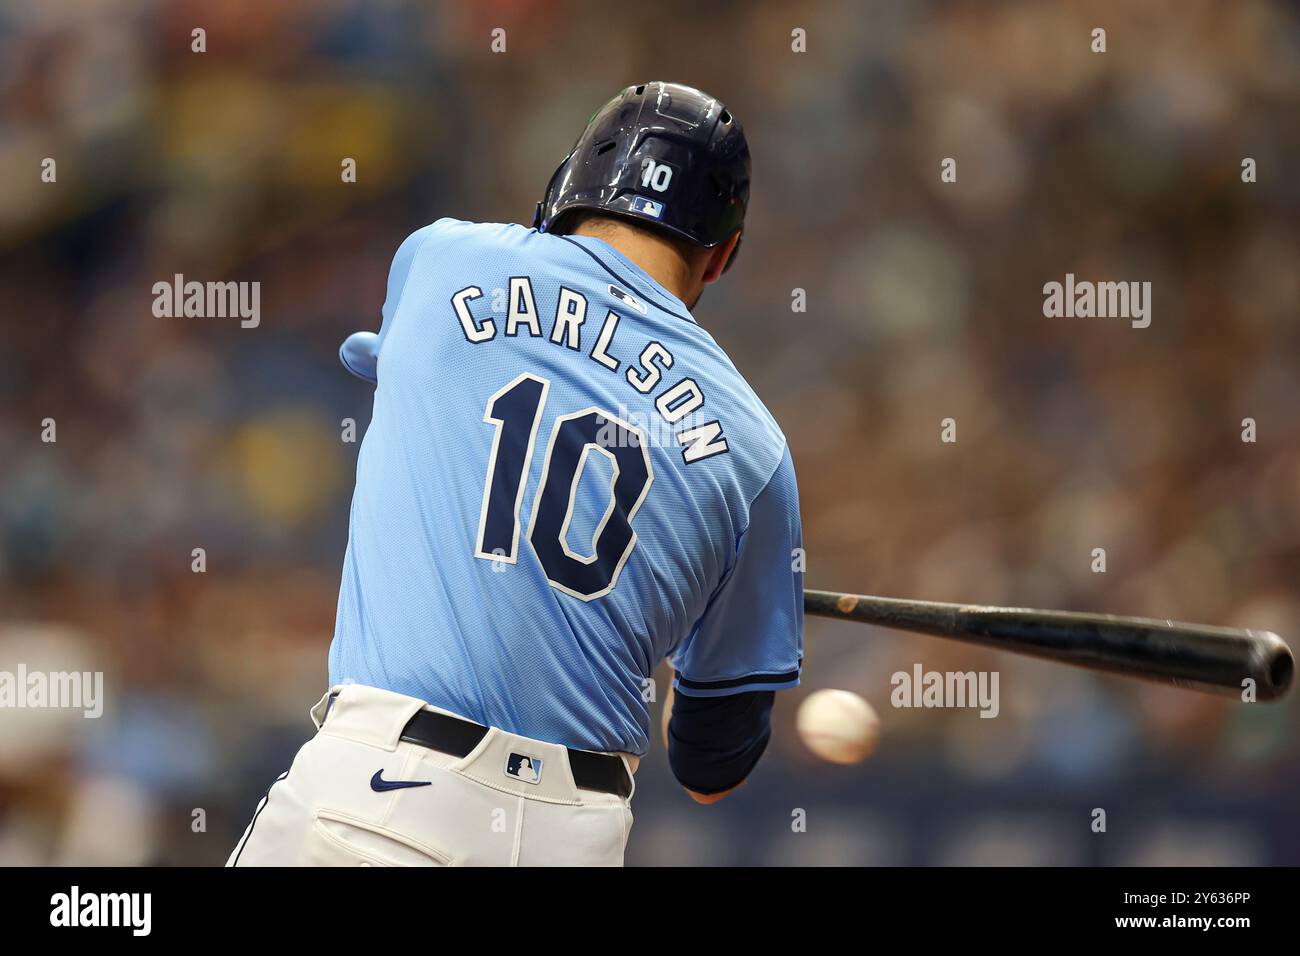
359, 352
401, 268
751, 634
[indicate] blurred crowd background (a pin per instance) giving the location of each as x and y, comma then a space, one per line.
924, 301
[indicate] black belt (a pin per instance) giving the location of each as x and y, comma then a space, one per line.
452, 735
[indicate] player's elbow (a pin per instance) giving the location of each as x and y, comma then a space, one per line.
715, 742
708, 798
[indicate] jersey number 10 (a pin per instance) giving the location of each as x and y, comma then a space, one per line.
516, 412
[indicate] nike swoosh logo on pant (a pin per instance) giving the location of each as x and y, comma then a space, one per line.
379, 784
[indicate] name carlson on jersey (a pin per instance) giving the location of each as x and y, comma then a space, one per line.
674, 403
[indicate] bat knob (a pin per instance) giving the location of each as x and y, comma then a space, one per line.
1276, 666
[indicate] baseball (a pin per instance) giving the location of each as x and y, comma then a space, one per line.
838, 725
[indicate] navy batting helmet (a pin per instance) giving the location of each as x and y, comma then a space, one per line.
663, 154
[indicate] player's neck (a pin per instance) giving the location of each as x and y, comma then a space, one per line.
655, 257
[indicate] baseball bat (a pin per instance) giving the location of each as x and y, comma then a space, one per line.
1198, 656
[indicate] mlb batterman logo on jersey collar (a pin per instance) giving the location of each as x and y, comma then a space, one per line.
627, 298
524, 767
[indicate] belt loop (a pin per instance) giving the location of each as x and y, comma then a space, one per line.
627, 769
366, 714
321, 710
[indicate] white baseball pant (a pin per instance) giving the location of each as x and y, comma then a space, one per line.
453, 811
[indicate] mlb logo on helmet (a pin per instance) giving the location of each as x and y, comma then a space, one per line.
648, 206
524, 767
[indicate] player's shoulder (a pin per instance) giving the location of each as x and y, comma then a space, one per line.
504, 243
756, 446
751, 415
448, 230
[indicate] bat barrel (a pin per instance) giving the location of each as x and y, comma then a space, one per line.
1217, 659
1187, 655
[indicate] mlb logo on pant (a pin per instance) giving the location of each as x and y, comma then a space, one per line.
524, 767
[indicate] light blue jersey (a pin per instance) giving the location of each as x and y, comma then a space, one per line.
565, 481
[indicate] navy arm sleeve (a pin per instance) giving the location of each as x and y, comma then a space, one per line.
714, 742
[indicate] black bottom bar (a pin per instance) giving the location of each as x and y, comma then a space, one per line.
1227, 906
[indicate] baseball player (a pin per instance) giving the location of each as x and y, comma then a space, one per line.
565, 481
